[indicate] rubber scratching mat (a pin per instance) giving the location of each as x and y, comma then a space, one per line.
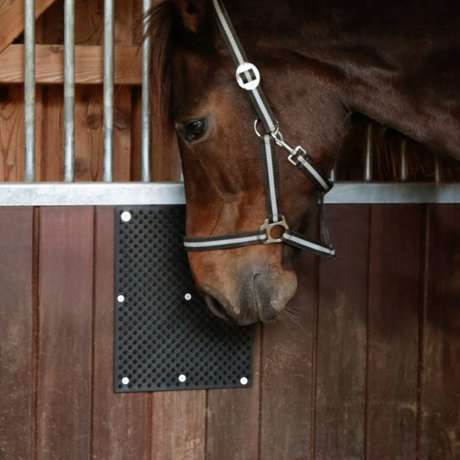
165, 337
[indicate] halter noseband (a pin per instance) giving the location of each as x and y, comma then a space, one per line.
248, 77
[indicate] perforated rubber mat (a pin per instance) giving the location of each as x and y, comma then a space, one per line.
165, 337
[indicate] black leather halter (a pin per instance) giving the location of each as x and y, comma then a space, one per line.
248, 77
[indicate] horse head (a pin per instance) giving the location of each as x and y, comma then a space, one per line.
195, 92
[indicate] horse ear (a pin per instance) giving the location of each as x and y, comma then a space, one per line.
193, 13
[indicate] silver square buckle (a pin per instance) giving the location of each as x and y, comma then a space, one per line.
299, 150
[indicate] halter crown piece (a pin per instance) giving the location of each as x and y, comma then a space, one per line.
248, 77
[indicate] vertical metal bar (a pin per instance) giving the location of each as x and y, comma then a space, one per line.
109, 11
403, 165
29, 89
146, 116
69, 90
437, 171
333, 173
368, 152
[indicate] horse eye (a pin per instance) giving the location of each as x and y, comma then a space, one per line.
195, 129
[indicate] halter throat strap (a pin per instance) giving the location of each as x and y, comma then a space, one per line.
248, 77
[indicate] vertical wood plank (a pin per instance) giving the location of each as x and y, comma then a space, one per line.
51, 146
341, 352
89, 138
394, 287
286, 381
122, 133
120, 421
179, 425
439, 419
65, 335
11, 133
123, 33
16, 333
233, 418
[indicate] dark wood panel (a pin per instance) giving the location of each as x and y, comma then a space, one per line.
120, 421
65, 335
286, 374
179, 425
341, 349
394, 291
16, 333
233, 418
440, 379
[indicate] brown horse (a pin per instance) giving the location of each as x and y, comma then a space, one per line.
395, 61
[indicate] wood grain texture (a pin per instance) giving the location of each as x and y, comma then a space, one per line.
89, 135
394, 296
286, 374
179, 425
122, 134
439, 420
120, 421
123, 35
341, 340
50, 146
88, 65
12, 19
233, 418
65, 333
11, 134
16, 333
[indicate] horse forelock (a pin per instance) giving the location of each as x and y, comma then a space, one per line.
160, 28
166, 29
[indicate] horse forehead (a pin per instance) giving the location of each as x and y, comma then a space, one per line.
195, 69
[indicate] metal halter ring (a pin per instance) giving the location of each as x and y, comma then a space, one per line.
275, 133
248, 68
267, 228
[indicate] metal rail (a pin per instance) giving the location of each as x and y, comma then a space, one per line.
109, 14
138, 193
29, 89
146, 117
69, 91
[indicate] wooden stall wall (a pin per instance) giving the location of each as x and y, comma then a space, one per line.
369, 367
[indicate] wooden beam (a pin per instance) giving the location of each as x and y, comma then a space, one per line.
49, 66
12, 19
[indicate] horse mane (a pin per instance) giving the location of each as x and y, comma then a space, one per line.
160, 28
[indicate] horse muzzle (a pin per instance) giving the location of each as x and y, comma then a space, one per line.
256, 294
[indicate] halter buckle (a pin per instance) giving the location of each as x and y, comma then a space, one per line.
252, 72
267, 228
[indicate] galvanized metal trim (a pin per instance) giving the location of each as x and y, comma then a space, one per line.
364, 193
69, 90
91, 194
137, 193
403, 166
29, 89
109, 38
369, 153
146, 116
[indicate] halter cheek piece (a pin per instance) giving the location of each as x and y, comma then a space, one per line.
248, 77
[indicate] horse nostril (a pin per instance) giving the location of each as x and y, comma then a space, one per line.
216, 307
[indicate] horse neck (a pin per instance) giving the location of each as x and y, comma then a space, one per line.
381, 61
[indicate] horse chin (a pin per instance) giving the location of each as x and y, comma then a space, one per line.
256, 296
